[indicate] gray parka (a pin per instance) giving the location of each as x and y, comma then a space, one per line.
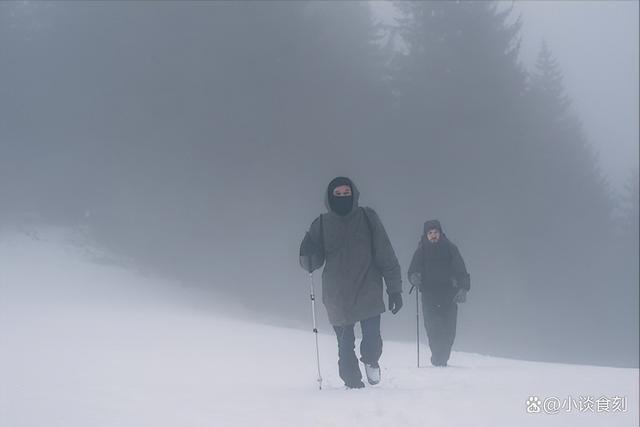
354, 265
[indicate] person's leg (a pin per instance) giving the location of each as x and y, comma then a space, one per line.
434, 324
371, 344
347, 361
450, 322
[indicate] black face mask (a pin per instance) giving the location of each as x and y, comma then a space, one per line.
341, 205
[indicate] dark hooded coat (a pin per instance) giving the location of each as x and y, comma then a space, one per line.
357, 255
440, 266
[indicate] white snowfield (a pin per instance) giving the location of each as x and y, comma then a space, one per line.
86, 344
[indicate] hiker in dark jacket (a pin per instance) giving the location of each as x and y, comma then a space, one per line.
357, 255
438, 270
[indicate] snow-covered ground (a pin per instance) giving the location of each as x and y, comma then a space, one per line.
89, 344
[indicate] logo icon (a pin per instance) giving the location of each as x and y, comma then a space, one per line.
533, 405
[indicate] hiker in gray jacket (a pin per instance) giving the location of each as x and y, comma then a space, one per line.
357, 255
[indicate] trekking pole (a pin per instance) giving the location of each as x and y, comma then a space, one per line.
417, 326
315, 329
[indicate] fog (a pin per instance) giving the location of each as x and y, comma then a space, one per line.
197, 139
604, 86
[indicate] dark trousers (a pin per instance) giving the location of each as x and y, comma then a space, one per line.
440, 321
370, 348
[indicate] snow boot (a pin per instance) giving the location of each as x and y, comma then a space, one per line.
373, 373
358, 384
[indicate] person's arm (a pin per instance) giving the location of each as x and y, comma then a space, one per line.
384, 256
312, 247
460, 274
415, 269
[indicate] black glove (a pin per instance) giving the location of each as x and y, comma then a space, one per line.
461, 296
395, 302
415, 279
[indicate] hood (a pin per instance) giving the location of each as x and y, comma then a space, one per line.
431, 224
354, 192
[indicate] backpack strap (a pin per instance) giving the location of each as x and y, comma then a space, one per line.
366, 217
322, 235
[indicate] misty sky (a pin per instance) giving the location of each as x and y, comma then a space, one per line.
595, 42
